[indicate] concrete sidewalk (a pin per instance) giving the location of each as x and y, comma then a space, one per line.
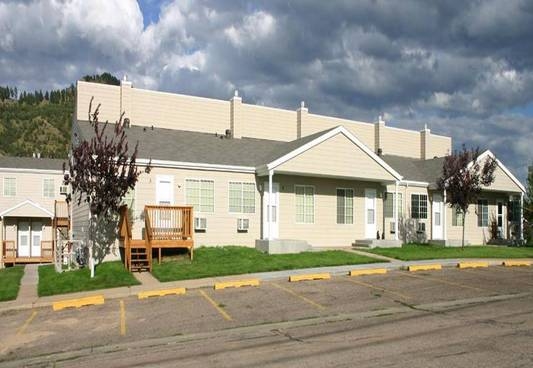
150, 283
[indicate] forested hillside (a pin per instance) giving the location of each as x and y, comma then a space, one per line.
39, 121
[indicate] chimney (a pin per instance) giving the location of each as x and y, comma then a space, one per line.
379, 132
236, 115
301, 116
126, 92
424, 142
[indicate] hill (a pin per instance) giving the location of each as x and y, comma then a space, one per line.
38, 121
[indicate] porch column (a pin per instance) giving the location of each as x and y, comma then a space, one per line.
445, 235
3, 230
395, 206
521, 216
269, 206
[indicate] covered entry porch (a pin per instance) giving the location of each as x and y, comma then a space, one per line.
27, 234
326, 193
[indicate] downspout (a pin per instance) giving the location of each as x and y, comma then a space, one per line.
396, 210
269, 206
444, 210
521, 217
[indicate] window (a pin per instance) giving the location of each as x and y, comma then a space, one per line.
457, 217
241, 197
200, 194
344, 206
388, 205
48, 188
419, 206
482, 213
305, 204
514, 209
10, 187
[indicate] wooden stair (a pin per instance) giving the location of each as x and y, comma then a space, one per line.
139, 260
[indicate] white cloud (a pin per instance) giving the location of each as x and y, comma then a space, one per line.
254, 27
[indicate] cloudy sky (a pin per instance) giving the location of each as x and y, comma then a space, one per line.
465, 68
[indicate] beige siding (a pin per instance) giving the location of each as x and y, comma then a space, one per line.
173, 111
107, 96
338, 156
221, 224
438, 146
30, 186
502, 182
324, 232
407, 226
365, 132
475, 235
400, 142
267, 123
80, 221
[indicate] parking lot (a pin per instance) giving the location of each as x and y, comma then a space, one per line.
40, 332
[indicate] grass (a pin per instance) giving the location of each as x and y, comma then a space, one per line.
413, 252
10, 282
232, 260
107, 275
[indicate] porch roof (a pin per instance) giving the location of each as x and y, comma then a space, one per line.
27, 208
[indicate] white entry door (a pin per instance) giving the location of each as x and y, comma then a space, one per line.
274, 224
36, 237
164, 191
23, 239
370, 214
437, 217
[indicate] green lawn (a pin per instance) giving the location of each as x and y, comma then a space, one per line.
231, 260
412, 252
10, 282
107, 275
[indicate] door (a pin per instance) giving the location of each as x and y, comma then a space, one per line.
274, 224
437, 217
164, 193
23, 239
36, 237
370, 214
501, 220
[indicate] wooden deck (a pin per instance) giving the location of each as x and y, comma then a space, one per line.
166, 227
11, 257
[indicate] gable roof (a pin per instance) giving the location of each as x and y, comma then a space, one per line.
309, 142
30, 203
10, 162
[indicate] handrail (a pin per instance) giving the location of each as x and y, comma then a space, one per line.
168, 222
12, 249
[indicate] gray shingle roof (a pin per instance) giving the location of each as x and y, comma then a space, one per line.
31, 163
416, 169
197, 147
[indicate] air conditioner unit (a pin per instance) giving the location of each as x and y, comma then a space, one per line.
421, 227
63, 189
200, 223
243, 224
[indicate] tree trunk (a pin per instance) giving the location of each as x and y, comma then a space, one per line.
463, 240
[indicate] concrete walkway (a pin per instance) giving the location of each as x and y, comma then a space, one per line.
28, 285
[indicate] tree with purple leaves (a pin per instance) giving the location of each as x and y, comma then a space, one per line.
101, 171
464, 175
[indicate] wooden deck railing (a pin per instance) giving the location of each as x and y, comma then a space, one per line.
9, 250
169, 222
61, 209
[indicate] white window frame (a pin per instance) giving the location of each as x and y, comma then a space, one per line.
481, 214
53, 188
394, 205
336, 206
4, 187
241, 212
198, 210
295, 204
455, 217
427, 206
